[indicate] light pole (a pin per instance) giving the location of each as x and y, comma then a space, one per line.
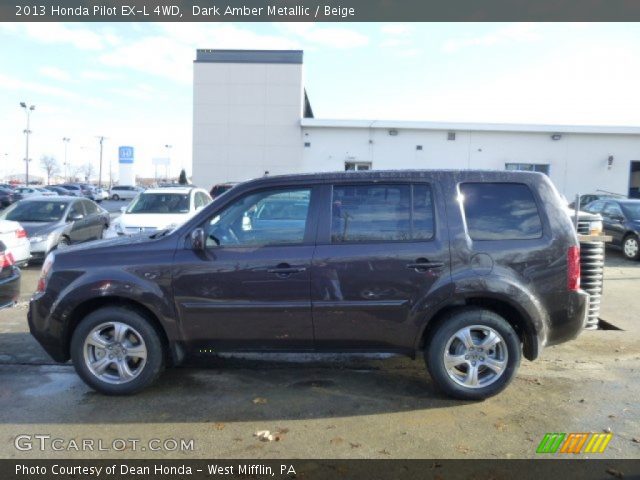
166, 167
66, 141
27, 132
102, 139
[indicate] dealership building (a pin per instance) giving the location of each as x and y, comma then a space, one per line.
252, 116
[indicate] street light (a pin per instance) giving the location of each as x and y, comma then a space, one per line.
102, 139
166, 167
27, 132
66, 141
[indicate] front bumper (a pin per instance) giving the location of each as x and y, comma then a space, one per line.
48, 332
10, 288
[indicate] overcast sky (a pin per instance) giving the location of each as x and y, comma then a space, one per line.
133, 82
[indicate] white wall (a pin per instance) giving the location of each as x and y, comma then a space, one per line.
578, 162
246, 120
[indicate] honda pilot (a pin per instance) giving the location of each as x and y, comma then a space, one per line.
471, 270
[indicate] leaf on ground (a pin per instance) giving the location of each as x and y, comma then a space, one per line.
259, 401
336, 441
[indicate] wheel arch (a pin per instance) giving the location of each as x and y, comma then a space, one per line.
514, 314
173, 353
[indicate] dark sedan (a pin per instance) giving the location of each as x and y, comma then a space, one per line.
621, 220
6, 197
9, 279
51, 222
59, 190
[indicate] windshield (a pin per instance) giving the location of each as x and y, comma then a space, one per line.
632, 210
160, 203
35, 212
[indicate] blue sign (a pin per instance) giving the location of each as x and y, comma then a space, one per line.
125, 154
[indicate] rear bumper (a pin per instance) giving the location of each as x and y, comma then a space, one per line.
567, 323
21, 252
10, 288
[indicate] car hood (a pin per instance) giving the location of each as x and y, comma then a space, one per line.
40, 228
151, 220
109, 242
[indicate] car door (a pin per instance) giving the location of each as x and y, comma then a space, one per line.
76, 217
93, 219
382, 249
249, 288
613, 222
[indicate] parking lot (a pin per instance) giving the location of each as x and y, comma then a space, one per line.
336, 406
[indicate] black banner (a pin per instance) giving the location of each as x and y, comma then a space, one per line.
317, 10
320, 469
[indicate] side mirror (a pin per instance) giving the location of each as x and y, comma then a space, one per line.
198, 239
74, 217
123, 209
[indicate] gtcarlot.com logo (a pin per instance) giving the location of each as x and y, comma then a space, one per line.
574, 443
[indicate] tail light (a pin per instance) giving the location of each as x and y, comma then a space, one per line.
21, 233
6, 260
44, 274
573, 268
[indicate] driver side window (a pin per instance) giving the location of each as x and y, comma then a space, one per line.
268, 217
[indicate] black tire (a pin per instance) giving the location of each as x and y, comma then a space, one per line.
115, 197
155, 360
631, 238
445, 330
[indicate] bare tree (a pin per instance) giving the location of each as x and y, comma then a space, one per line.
74, 172
50, 165
88, 171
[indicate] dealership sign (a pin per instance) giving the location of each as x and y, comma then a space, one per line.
125, 154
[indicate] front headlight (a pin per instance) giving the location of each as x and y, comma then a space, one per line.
595, 227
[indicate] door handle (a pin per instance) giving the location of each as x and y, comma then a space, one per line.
422, 266
285, 271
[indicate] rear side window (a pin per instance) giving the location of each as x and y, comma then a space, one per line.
362, 213
500, 211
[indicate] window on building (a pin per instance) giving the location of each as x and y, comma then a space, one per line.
529, 167
363, 213
418, 147
351, 166
500, 211
451, 135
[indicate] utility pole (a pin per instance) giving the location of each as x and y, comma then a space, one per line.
102, 139
167, 166
66, 141
27, 132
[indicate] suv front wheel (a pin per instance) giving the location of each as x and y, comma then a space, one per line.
472, 354
116, 351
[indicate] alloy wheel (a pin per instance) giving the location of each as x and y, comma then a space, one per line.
115, 352
475, 356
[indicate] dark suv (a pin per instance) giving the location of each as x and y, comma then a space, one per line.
468, 268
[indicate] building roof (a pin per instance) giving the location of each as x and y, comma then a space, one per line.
248, 56
465, 126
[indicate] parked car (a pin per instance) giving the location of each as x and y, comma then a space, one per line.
470, 269
6, 197
587, 198
7, 186
124, 192
16, 242
57, 189
80, 189
9, 279
73, 189
60, 221
21, 193
220, 188
159, 209
621, 220
101, 194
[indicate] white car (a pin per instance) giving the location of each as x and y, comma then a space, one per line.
159, 209
101, 194
15, 238
124, 192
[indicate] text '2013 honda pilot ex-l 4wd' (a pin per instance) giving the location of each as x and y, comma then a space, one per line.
471, 269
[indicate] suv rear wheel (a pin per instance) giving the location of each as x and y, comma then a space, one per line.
116, 351
473, 354
631, 247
